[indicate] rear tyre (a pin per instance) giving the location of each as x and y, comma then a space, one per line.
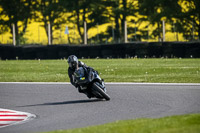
100, 90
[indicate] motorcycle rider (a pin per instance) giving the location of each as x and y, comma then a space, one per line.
74, 64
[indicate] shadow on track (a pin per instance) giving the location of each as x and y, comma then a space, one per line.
65, 102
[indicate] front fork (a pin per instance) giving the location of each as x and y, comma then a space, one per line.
102, 85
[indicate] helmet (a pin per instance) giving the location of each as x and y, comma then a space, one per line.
72, 61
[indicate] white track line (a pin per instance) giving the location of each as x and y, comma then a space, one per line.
109, 83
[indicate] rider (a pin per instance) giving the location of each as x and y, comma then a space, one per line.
74, 64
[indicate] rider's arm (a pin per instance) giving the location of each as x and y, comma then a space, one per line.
70, 74
81, 64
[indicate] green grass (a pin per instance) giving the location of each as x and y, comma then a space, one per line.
173, 124
112, 70
117, 70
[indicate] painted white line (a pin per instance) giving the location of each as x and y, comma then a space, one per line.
109, 83
175, 84
12, 117
39, 83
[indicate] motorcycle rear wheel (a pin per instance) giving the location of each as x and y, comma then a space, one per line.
100, 90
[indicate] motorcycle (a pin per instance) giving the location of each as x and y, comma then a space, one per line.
90, 82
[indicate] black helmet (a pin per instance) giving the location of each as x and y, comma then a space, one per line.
72, 61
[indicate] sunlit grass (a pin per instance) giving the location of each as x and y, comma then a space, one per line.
112, 70
173, 124
148, 70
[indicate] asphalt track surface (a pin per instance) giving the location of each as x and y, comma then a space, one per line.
60, 106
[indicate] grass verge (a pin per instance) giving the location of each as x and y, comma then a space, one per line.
112, 70
174, 124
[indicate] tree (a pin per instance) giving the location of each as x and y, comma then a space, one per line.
90, 11
120, 10
154, 11
188, 22
50, 12
19, 13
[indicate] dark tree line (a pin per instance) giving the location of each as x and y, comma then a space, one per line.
182, 15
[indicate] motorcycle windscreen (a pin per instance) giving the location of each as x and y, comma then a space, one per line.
80, 74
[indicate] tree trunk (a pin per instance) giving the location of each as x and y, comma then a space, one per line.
51, 31
199, 32
198, 27
159, 32
78, 24
117, 32
124, 17
17, 35
78, 20
46, 26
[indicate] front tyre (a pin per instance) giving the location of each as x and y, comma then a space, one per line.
100, 90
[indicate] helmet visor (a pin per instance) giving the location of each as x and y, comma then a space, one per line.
72, 64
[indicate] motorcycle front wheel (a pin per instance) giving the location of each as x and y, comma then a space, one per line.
100, 90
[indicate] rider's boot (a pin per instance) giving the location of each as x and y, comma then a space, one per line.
88, 95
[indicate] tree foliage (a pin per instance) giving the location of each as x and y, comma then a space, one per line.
17, 12
182, 15
189, 19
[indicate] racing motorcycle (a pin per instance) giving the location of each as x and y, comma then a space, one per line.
90, 82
